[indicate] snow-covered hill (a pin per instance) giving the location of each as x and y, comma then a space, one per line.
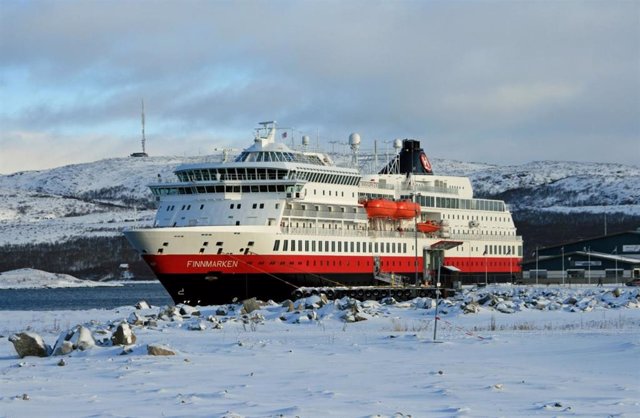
103, 197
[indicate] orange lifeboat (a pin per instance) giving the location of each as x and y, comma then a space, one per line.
428, 227
407, 210
380, 208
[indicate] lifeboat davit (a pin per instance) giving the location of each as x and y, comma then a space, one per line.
407, 210
428, 227
380, 208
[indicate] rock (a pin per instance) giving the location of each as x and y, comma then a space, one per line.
570, 301
170, 313
136, 319
354, 317
197, 326
159, 350
30, 344
250, 305
289, 305
425, 303
222, 311
189, 310
63, 348
471, 308
142, 305
123, 335
502, 307
312, 302
617, 292
388, 301
82, 338
62, 362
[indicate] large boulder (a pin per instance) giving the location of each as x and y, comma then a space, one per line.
30, 344
250, 305
123, 335
82, 338
159, 350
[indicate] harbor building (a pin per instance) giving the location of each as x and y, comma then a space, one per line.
608, 259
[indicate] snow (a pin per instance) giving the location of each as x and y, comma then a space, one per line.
28, 278
311, 363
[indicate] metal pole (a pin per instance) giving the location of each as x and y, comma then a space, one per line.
589, 262
537, 271
563, 266
415, 197
615, 251
435, 315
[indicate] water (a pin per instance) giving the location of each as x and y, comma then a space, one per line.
83, 297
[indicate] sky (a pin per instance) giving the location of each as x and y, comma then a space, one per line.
504, 82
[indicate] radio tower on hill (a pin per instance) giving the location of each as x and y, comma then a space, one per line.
143, 153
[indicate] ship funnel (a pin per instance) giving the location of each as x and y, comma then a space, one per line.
410, 160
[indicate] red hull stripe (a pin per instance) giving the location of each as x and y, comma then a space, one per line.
315, 264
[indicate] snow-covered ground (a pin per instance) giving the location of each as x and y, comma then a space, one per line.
562, 352
28, 278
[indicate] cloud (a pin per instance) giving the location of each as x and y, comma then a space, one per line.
481, 75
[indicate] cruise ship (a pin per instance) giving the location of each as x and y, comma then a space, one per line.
277, 219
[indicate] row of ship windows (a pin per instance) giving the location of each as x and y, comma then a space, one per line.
475, 218
252, 174
455, 203
339, 246
264, 188
501, 250
231, 206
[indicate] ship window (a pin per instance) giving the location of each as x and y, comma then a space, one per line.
300, 245
201, 207
239, 205
326, 246
339, 246
320, 246
204, 244
293, 245
285, 245
219, 250
313, 246
230, 207
306, 245
261, 205
255, 206
250, 243
352, 246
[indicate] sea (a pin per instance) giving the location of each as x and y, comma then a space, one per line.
76, 298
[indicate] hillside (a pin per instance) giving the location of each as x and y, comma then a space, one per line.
68, 207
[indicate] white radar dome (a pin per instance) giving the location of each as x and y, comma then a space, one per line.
305, 140
397, 144
354, 139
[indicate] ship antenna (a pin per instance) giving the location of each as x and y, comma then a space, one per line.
143, 138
